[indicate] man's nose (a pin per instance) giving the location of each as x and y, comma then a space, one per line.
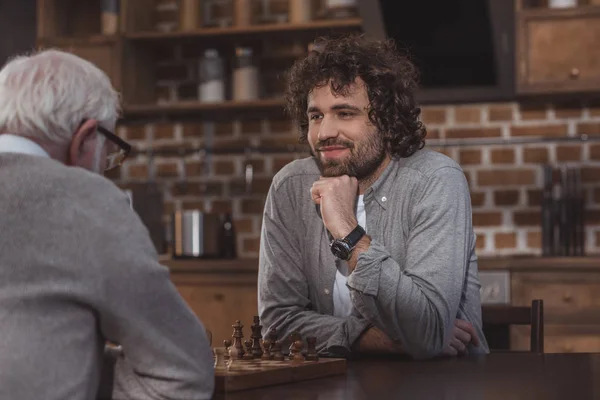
327, 129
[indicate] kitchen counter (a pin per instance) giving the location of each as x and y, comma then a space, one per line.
222, 291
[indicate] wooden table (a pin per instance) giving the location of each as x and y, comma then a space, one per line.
496, 376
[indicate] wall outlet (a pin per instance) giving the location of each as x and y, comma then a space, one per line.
495, 287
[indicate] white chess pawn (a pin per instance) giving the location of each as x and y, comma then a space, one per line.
219, 357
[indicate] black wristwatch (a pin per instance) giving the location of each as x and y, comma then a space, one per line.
342, 248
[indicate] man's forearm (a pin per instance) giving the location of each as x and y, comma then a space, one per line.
361, 247
376, 341
333, 334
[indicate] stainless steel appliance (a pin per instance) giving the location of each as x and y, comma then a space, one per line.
196, 234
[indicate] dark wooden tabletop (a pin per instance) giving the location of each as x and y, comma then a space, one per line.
495, 376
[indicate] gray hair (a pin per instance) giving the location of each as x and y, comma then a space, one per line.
46, 95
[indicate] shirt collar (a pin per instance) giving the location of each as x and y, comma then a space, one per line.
18, 144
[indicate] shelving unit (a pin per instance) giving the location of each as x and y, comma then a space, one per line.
130, 59
68, 19
187, 107
96, 39
249, 30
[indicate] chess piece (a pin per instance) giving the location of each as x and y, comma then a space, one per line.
295, 336
248, 351
227, 345
237, 351
272, 336
266, 344
296, 351
219, 357
277, 354
311, 352
256, 336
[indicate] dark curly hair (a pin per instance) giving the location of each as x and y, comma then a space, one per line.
390, 79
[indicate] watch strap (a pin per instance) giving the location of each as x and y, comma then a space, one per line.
354, 236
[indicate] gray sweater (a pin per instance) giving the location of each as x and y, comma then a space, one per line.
77, 267
418, 276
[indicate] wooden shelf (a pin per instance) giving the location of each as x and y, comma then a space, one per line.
78, 41
251, 30
187, 107
208, 266
534, 263
571, 12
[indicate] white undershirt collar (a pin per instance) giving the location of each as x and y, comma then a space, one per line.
18, 144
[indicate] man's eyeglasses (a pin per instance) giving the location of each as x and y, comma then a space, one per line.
115, 158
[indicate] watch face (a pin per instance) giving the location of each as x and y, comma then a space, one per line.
340, 249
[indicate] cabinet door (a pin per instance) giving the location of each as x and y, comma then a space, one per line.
569, 297
219, 301
559, 50
559, 339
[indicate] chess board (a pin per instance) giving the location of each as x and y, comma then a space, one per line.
243, 375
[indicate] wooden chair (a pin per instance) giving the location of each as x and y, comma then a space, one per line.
506, 315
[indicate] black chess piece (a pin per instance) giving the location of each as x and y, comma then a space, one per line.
277, 353
272, 336
256, 336
266, 344
248, 351
227, 345
311, 352
296, 351
294, 336
237, 351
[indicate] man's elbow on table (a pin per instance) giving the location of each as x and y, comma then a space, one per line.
428, 342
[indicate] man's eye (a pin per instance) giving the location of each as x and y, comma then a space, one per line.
313, 117
345, 114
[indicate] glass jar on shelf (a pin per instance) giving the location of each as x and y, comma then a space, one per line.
189, 15
243, 11
341, 9
245, 75
300, 11
211, 86
110, 16
562, 3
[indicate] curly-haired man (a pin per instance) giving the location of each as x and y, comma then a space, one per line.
368, 244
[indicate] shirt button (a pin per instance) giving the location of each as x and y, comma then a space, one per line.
384, 199
326, 291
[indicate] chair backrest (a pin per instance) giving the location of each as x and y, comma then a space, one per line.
519, 315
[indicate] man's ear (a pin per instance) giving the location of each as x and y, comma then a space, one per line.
82, 136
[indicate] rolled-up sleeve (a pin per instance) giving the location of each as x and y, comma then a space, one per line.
415, 299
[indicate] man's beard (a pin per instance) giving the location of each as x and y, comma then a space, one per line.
365, 157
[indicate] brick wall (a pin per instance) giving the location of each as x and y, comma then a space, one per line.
505, 181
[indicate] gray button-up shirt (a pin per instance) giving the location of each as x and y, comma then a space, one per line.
418, 275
